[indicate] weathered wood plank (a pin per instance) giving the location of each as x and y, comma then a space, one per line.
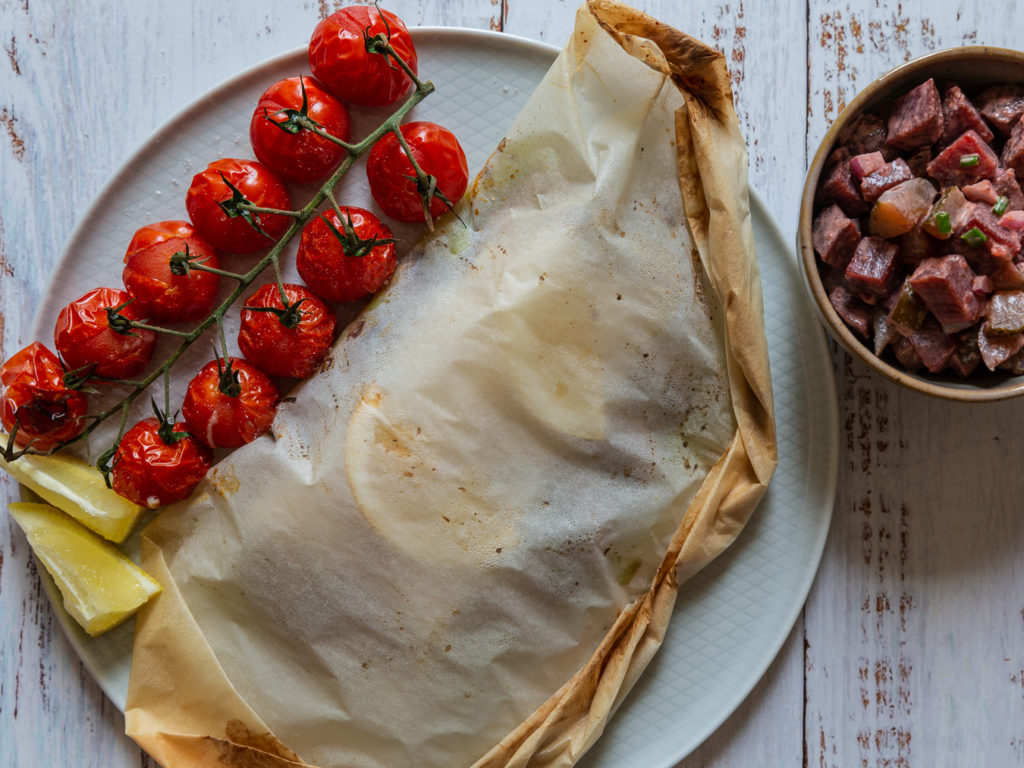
915, 640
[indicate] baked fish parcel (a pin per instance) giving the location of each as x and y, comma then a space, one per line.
462, 542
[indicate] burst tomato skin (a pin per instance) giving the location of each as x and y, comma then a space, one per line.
339, 59
222, 420
83, 336
45, 410
35, 364
277, 350
438, 154
159, 232
162, 295
258, 184
324, 266
150, 472
302, 156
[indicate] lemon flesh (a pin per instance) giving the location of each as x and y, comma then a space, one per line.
101, 586
78, 489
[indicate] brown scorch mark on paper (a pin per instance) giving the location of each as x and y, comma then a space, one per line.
10, 123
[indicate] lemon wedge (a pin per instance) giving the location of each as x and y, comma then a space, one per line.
78, 489
100, 585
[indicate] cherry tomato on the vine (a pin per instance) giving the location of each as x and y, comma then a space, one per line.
393, 179
229, 403
280, 341
85, 339
344, 259
157, 464
282, 143
162, 280
37, 400
339, 59
213, 206
159, 232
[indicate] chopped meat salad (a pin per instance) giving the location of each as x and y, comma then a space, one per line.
918, 221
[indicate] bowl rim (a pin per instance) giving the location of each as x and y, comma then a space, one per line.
875, 91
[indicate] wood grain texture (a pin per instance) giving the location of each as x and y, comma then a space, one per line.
911, 648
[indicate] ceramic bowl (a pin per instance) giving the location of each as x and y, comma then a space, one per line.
973, 68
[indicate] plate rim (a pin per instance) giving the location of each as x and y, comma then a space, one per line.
461, 35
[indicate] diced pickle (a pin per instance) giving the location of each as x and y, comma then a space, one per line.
1006, 313
950, 203
898, 210
909, 312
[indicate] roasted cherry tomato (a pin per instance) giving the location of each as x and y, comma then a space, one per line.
339, 59
348, 258
287, 341
157, 464
393, 179
282, 143
229, 403
45, 410
151, 234
164, 284
85, 338
212, 205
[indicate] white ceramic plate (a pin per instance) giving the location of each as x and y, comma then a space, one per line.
734, 616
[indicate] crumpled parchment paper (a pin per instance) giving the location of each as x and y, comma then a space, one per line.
463, 541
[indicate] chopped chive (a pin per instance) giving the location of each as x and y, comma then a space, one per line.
942, 223
974, 237
1001, 205
967, 161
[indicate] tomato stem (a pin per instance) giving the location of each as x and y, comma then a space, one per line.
245, 206
158, 329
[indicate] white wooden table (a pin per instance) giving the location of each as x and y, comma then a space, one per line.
910, 650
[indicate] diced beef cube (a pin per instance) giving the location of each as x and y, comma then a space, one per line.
1013, 150
834, 235
982, 286
933, 346
869, 162
945, 285
865, 134
904, 350
981, 192
1002, 106
949, 166
959, 115
1005, 313
838, 185
979, 216
874, 268
917, 119
853, 311
967, 356
996, 349
916, 246
1006, 184
886, 177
